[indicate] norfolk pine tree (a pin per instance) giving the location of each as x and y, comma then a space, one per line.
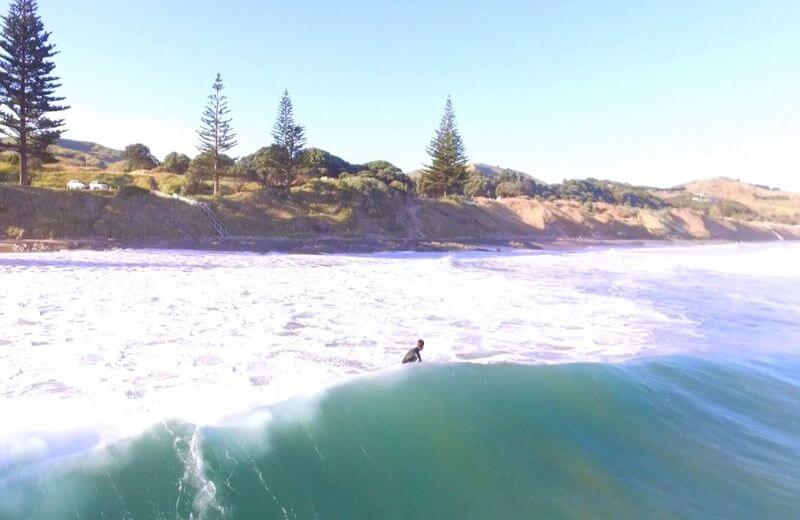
216, 134
287, 148
27, 85
448, 169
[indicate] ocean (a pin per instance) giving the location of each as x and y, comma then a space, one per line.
609, 382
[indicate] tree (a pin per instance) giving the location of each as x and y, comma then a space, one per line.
139, 157
176, 163
207, 166
216, 133
287, 148
448, 169
27, 85
479, 185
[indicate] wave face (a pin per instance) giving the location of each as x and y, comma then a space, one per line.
670, 438
658, 381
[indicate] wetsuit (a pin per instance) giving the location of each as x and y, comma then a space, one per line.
412, 356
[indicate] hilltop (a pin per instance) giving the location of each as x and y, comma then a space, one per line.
69, 154
84, 154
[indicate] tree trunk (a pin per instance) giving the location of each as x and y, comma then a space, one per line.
216, 176
24, 177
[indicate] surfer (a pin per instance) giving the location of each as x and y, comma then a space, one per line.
414, 354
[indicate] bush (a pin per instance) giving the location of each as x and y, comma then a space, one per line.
585, 191
132, 191
176, 163
478, 185
320, 163
139, 157
364, 185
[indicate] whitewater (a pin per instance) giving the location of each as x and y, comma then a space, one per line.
100, 348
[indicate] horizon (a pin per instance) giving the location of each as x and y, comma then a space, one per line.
651, 95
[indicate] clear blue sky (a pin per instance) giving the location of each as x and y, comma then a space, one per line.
655, 92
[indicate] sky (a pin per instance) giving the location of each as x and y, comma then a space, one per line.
648, 92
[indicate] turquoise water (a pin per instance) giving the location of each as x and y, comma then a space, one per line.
657, 382
665, 438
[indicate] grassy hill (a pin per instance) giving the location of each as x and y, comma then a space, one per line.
83, 154
367, 206
70, 154
731, 198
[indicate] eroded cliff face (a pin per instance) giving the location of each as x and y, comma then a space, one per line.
38, 213
574, 220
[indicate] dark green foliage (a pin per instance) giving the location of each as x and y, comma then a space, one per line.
479, 185
132, 191
253, 166
514, 184
139, 157
206, 166
176, 163
584, 191
285, 157
27, 86
448, 169
391, 177
324, 164
377, 166
216, 133
594, 190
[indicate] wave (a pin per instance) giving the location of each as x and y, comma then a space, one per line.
668, 437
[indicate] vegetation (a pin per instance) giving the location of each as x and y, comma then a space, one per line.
207, 165
27, 86
286, 190
286, 153
176, 163
139, 157
448, 169
216, 133
132, 191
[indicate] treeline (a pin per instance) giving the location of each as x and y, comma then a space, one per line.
286, 162
28, 99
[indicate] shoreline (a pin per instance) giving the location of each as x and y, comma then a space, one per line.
335, 245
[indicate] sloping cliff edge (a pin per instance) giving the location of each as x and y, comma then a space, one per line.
263, 221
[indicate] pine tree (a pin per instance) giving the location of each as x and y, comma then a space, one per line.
27, 86
287, 148
216, 133
448, 169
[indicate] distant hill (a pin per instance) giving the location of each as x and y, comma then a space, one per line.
485, 170
84, 154
767, 203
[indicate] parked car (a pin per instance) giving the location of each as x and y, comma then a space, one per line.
75, 185
97, 185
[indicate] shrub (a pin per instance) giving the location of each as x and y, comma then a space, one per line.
478, 185
176, 163
139, 157
363, 184
132, 191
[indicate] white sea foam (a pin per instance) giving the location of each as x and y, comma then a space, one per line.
95, 345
